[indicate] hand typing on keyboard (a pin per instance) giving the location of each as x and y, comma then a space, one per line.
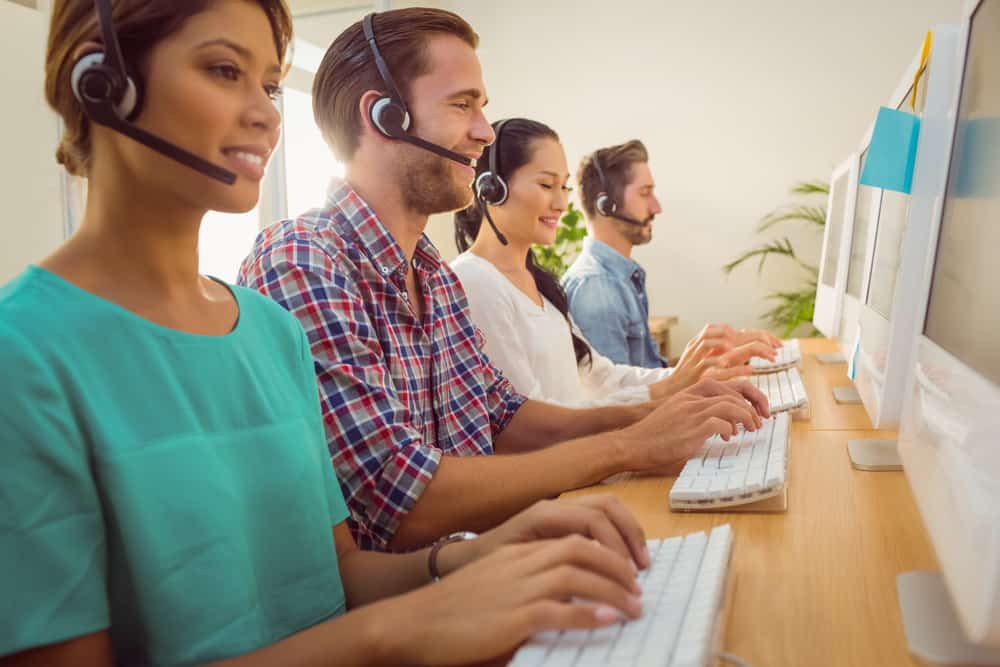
490, 606
563, 564
679, 426
601, 517
719, 352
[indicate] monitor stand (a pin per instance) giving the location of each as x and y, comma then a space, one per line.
874, 454
930, 623
830, 358
846, 395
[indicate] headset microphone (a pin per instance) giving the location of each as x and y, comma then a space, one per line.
604, 203
112, 96
389, 114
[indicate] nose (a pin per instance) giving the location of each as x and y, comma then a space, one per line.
655, 208
561, 201
481, 129
262, 113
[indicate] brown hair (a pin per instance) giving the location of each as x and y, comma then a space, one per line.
348, 69
616, 163
139, 25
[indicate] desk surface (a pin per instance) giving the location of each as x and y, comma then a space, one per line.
816, 585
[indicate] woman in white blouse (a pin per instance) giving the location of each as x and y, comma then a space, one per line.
521, 309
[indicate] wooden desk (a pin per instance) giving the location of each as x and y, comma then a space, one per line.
815, 586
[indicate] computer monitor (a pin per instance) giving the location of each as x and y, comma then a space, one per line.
856, 255
887, 320
950, 430
833, 272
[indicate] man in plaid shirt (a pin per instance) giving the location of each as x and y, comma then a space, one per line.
422, 428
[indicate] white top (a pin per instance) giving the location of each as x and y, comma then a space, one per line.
533, 347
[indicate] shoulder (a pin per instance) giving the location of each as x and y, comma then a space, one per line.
473, 272
39, 312
594, 282
318, 240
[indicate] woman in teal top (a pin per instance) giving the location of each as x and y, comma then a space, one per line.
166, 495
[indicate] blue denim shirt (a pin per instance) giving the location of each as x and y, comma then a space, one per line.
607, 299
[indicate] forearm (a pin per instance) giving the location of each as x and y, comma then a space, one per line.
479, 492
538, 425
367, 636
369, 576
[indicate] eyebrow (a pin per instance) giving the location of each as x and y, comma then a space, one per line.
546, 172
240, 50
474, 93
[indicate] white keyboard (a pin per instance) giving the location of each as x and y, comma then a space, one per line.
784, 390
787, 356
683, 593
748, 468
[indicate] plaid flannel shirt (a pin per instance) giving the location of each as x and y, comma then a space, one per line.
396, 393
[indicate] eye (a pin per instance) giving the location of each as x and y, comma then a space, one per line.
227, 71
274, 91
464, 106
545, 186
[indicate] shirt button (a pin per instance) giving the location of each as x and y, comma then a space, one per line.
385, 270
406, 297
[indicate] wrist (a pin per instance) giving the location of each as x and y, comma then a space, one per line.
455, 555
618, 455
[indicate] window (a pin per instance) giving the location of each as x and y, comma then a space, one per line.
224, 241
309, 164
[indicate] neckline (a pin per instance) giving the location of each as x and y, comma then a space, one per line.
121, 311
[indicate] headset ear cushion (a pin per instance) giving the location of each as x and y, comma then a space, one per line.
390, 118
91, 60
604, 205
131, 103
491, 188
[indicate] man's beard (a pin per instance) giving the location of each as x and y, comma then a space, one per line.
428, 184
636, 234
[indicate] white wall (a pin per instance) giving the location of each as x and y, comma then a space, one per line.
736, 102
31, 222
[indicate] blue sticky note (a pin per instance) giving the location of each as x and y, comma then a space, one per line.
893, 151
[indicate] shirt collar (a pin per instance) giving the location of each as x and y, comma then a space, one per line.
367, 231
613, 261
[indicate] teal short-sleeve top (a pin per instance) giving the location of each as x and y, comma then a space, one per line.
170, 488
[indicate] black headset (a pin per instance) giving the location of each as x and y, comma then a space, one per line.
389, 113
490, 186
604, 202
111, 96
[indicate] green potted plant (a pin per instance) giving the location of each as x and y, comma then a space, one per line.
793, 310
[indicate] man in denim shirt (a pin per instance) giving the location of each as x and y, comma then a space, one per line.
605, 286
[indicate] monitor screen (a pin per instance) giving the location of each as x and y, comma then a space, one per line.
963, 310
836, 221
889, 230
859, 241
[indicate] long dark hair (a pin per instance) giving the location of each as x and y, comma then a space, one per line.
516, 147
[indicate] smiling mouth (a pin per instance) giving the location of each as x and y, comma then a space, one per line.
248, 163
250, 158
